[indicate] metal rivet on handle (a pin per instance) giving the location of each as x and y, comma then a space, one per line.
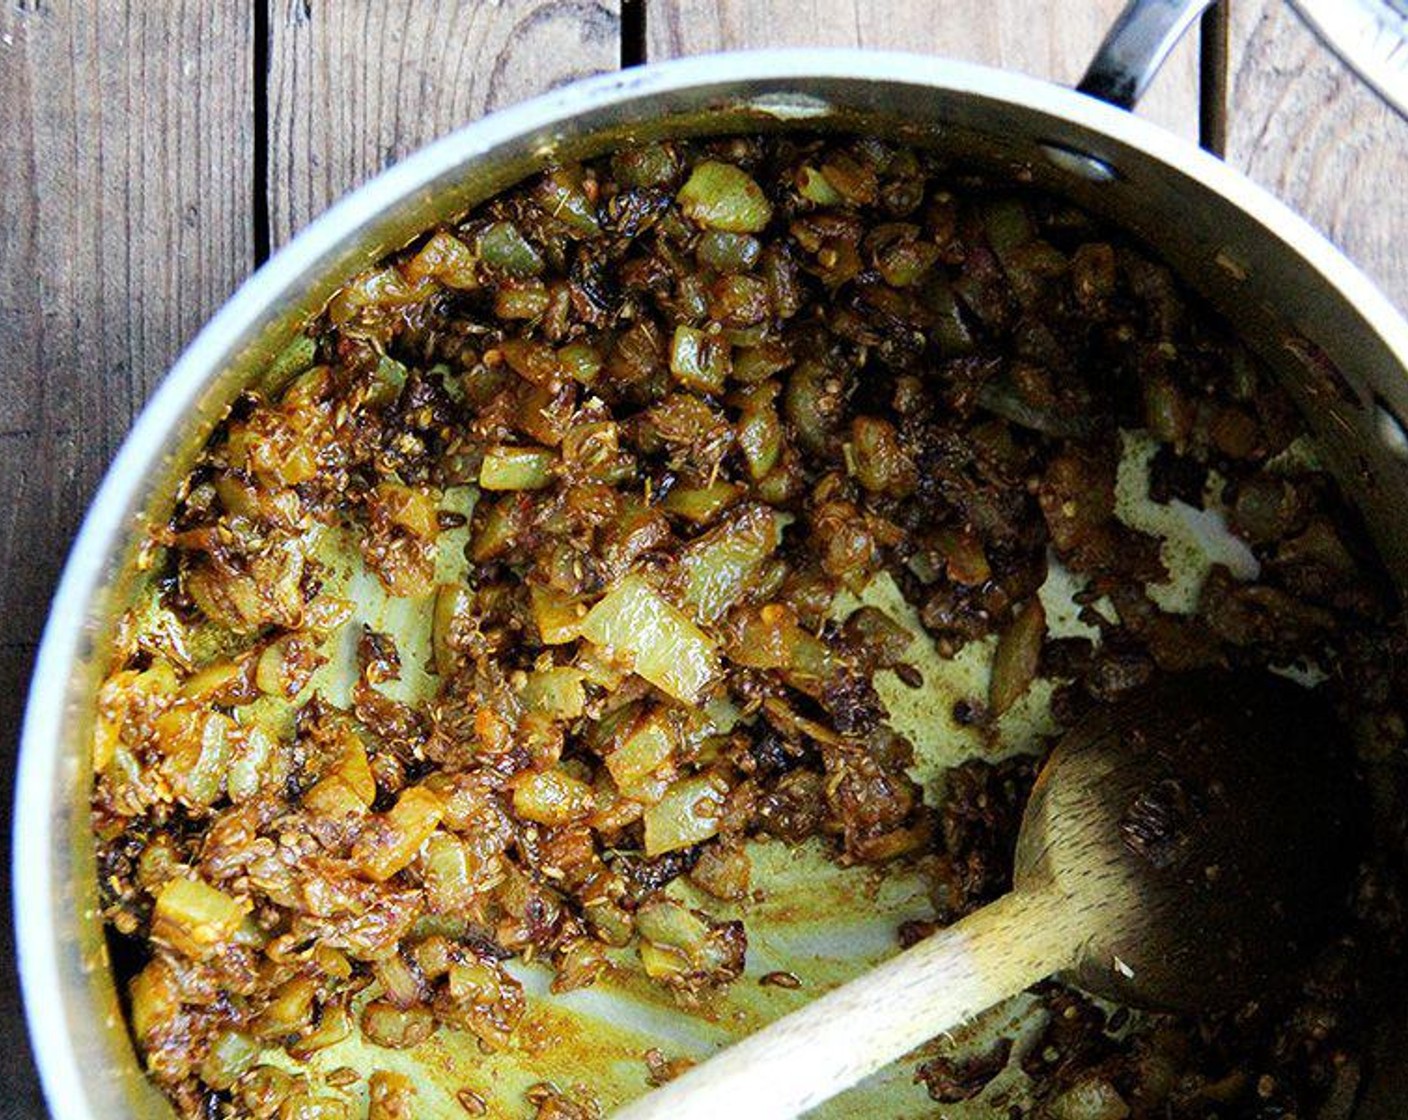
1393, 433
1082, 164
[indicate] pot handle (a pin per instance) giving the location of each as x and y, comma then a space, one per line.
1136, 46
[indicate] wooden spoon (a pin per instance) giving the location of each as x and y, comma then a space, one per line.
1182, 850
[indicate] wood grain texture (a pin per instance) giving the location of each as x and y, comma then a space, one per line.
124, 223
355, 86
1304, 126
125, 180
1049, 40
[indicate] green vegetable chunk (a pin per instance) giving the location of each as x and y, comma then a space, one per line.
516, 468
195, 917
701, 504
636, 762
699, 361
503, 246
689, 812
551, 797
718, 567
666, 648
721, 196
229, 1056
555, 693
1018, 655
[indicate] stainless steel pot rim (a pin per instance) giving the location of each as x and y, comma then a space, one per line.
767, 74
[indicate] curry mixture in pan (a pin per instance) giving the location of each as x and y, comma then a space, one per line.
631, 610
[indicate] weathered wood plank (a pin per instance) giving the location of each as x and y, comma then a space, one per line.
1304, 126
125, 188
1050, 40
353, 87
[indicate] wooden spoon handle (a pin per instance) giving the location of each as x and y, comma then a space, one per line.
811, 1055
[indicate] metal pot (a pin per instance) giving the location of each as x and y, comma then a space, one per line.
1339, 346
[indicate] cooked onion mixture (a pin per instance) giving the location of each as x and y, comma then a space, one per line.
665, 418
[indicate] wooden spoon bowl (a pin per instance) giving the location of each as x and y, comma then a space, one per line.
1209, 825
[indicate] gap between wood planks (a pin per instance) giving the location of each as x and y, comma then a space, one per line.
259, 210
633, 32
1213, 60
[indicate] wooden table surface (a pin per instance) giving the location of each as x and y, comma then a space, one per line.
153, 153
